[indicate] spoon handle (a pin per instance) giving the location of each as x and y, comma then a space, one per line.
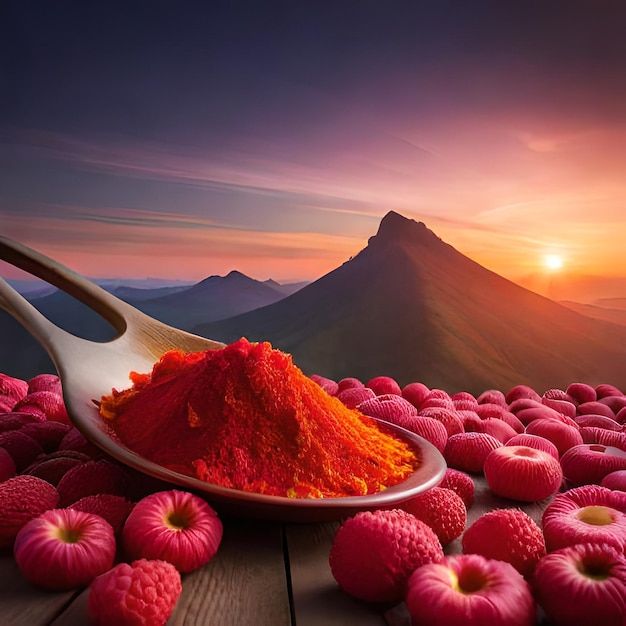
37, 264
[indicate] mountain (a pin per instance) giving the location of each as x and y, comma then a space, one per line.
213, 298
412, 307
617, 316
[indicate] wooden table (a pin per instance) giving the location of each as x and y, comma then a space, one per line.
263, 574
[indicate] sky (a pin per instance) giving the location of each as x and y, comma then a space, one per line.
183, 139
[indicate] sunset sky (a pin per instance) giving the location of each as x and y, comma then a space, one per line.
182, 139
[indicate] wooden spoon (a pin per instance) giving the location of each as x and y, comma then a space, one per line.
88, 370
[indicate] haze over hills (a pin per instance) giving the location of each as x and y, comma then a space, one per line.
182, 306
412, 307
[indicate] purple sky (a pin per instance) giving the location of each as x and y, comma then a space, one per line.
183, 139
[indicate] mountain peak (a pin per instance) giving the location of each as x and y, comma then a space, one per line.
395, 228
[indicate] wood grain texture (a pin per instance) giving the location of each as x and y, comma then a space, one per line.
244, 584
317, 598
21, 604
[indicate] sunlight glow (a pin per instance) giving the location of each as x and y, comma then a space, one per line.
553, 262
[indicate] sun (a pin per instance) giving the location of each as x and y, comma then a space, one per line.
553, 262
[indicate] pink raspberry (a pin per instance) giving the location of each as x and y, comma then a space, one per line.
23, 498
602, 436
448, 417
604, 390
143, 593
353, 396
7, 465
442, 509
429, 428
615, 480
461, 483
327, 384
492, 396
90, 478
415, 393
536, 442
506, 535
383, 385
587, 514
581, 392
590, 463
374, 553
467, 451
114, 509
596, 408
522, 473
346, 383
561, 435
48, 434
22, 448
521, 391
49, 403
389, 407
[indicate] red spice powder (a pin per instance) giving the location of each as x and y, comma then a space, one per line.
246, 417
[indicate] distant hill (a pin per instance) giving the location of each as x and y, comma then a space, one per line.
181, 306
616, 316
412, 307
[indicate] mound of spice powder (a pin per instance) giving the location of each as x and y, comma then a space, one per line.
247, 418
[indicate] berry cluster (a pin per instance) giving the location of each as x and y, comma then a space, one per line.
566, 448
75, 517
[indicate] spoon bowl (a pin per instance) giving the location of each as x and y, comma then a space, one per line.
88, 370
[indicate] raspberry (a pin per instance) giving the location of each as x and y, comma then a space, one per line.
90, 478
353, 396
506, 535
327, 384
143, 593
442, 509
415, 393
23, 498
75, 440
522, 473
561, 435
448, 417
381, 385
536, 442
49, 403
587, 514
598, 421
592, 434
347, 383
604, 390
429, 428
374, 552
461, 483
596, 408
581, 392
7, 465
114, 509
521, 391
45, 382
48, 434
467, 451
615, 480
496, 428
390, 408
590, 463
22, 448
492, 396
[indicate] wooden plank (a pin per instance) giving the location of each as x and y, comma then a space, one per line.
21, 604
244, 584
316, 596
